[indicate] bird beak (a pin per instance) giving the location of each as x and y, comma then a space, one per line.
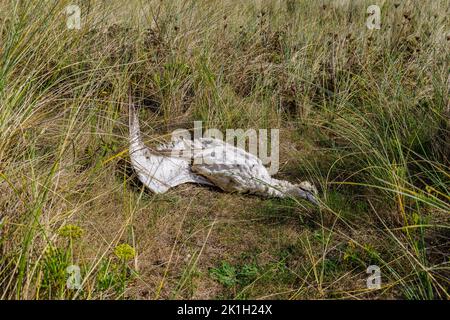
312, 198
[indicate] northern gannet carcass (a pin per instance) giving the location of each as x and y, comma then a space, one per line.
207, 161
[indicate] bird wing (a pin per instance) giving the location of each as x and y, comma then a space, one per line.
159, 172
230, 168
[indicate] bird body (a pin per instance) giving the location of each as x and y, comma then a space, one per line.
207, 161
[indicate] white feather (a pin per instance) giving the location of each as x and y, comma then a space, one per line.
156, 170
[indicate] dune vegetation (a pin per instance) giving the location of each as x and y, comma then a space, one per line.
364, 114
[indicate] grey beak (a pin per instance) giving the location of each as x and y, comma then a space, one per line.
312, 198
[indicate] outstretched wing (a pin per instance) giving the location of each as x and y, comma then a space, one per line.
158, 171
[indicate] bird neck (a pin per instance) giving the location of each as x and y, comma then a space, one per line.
280, 188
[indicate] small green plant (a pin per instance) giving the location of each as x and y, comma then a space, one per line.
248, 273
123, 272
54, 276
109, 276
124, 252
70, 231
353, 256
226, 274
229, 275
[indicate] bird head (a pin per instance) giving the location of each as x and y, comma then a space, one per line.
308, 191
